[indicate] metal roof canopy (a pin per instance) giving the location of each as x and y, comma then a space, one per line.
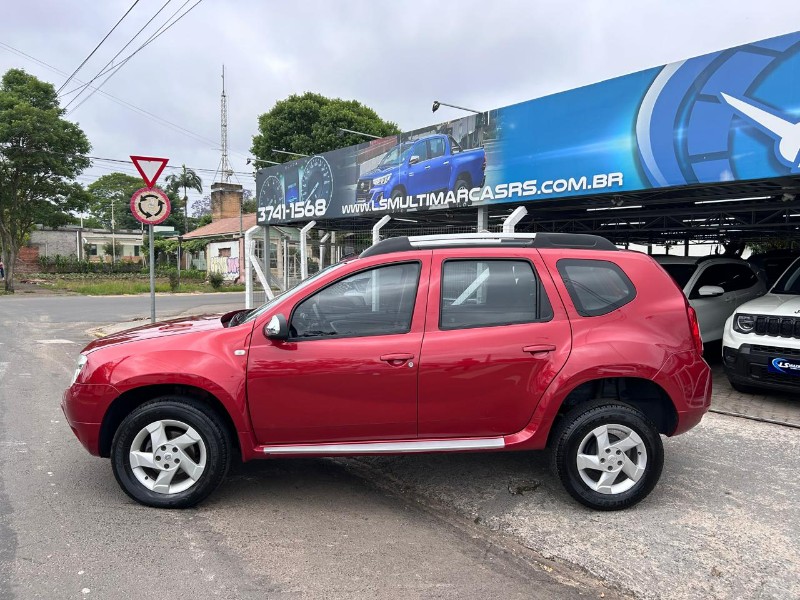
746, 211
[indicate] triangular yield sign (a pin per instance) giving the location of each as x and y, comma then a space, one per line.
150, 168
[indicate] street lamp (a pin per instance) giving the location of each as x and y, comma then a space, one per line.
369, 135
437, 104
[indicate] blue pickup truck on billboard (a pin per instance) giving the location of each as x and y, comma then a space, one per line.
732, 115
435, 163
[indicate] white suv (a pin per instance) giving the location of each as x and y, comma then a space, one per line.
761, 345
715, 287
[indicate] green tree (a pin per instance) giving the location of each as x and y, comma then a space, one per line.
40, 155
249, 204
111, 194
184, 179
202, 207
309, 124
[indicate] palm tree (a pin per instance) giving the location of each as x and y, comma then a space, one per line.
186, 179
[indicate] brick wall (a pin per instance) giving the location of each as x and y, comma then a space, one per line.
28, 260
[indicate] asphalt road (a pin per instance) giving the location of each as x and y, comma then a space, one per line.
284, 528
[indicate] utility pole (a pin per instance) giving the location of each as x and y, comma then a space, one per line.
113, 238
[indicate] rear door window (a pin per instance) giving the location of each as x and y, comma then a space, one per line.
486, 293
596, 287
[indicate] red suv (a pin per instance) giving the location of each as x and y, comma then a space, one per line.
421, 344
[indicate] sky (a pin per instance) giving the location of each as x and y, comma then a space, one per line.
396, 57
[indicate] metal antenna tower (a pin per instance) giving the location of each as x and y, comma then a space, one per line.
224, 165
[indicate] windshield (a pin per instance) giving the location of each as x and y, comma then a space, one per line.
300, 286
681, 273
396, 155
789, 282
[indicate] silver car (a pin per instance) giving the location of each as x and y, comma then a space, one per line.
715, 287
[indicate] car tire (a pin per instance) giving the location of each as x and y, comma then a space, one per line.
462, 183
609, 456
171, 452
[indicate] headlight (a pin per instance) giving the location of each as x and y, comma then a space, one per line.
382, 180
81, 361
744, 323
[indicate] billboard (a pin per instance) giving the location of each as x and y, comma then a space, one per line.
732, 115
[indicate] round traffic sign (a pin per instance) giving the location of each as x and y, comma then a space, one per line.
150, 206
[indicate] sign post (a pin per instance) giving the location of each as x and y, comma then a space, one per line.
150, 206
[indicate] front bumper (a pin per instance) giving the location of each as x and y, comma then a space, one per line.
749, 365
84, 406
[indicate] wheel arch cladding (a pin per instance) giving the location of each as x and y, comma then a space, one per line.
644, 395
131, 399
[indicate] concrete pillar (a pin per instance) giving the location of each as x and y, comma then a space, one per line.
483, 219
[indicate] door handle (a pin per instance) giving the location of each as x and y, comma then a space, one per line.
397, 358
539, 348
447, 162
427, 167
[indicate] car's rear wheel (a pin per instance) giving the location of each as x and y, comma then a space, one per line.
170, 453
462, 184
608, 456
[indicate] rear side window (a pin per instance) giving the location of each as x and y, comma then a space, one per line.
596, 287
486, 293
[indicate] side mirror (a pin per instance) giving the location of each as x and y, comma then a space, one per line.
277, 328
413, 160
710, 291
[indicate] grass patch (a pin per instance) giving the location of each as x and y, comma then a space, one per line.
116, 287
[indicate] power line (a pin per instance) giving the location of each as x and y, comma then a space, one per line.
117, 100
116, 160
152, 38
96, 47
81, 88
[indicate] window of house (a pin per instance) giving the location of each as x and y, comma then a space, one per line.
273, 255
224, 252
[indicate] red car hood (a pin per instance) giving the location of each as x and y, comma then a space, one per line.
164, 328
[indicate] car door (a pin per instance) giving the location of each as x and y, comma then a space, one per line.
437, 171
713, 311
348, 372
417, 161
496, 336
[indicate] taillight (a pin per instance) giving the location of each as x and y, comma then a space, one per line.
694, 326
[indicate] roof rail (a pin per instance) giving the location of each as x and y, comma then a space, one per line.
467, 240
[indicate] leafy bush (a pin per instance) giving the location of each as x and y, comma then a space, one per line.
215, 279
72, 264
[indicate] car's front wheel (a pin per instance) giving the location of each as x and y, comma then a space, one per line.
609, 456
170, 453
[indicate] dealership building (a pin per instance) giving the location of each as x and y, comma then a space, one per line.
705, 150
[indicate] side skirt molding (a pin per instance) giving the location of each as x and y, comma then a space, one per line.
388, 447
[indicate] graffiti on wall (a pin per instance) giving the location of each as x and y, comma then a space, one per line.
228, 266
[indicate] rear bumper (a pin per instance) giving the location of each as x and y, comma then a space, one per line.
84, 407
